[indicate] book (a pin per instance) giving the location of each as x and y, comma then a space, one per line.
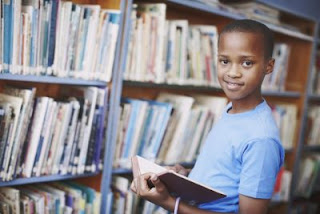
177, 184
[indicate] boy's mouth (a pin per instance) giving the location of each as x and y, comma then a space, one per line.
233, 85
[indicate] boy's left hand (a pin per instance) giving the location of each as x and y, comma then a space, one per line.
157, 194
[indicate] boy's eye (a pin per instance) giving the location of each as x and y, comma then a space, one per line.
224, 61
247, 63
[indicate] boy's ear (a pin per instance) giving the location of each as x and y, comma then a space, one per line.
270, 65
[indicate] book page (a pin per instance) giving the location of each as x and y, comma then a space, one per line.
148, 166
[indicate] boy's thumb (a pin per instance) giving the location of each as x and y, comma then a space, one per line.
157, 183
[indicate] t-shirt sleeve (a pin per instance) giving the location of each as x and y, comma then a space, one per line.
261, 161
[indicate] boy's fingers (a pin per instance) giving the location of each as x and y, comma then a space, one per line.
143, 185
159, 186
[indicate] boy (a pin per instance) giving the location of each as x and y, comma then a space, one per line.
243, 153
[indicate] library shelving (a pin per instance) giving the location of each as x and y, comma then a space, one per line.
302, 41
50, 85
304, 148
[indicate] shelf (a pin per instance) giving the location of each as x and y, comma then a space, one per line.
311, 148
50, 178
314, 97
289, 94
170, 86
288, 150
121, 171
225, 13
52, 80
207, 8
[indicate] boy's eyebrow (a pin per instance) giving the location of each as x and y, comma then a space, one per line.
243, 56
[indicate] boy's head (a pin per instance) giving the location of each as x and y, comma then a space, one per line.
244, 57
251, 26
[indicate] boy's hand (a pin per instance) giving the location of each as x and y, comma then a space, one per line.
179, 169
157, 194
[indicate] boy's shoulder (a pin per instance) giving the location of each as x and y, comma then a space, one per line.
256, 124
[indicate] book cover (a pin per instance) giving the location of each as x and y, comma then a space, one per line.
176, 184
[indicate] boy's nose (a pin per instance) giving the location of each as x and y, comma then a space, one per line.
233, 72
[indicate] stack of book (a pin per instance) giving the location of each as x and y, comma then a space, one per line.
170, 51
277, 79
313, 126
169, 130
59, 197
43, 136
309, 176
58, 38
286, 116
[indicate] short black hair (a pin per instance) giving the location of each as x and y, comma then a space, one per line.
251, 26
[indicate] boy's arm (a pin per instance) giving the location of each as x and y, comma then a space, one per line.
160, 196
247, 205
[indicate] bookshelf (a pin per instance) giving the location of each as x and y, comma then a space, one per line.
305, 149
298, 80
48, 85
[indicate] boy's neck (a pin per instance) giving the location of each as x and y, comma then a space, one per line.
239, 106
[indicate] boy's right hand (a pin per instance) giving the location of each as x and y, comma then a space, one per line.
179, 169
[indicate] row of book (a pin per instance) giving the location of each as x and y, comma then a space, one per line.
170, 51
286, 117
57, 197
174, 52
309, 176
43, 136
173, 128
124, 201
58, 38
169, 130
313, 134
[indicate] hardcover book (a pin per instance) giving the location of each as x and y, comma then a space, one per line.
176, 184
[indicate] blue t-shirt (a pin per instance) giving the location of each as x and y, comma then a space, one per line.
242, 155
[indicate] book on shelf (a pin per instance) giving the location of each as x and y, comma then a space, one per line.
44, 136
277, 79
159, 121
58, 38
282, 186
286, 116
146, 139
56, 197
309, 176
177, 184
313, 134
177, 53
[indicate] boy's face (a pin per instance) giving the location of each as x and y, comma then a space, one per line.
242, 65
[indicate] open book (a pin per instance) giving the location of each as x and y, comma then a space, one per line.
176, 184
